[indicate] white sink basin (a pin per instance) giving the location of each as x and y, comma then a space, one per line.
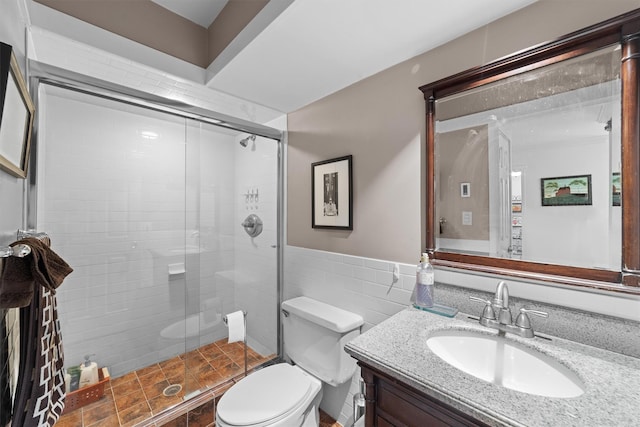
504, 362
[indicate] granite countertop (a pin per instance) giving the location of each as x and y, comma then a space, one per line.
398, 347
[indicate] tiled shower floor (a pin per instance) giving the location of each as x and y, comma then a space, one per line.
137, 399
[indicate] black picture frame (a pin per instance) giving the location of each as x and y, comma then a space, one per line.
332, 194
16, 115
572, 190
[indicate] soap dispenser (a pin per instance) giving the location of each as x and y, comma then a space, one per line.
88, 372
424, 283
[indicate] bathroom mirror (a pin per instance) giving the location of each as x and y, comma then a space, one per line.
532, 161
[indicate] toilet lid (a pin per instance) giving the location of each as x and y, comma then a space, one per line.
264, 395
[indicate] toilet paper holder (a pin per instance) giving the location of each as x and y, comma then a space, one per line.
244, 341
244, 314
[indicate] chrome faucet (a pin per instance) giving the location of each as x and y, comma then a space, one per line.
501, 304
497, 314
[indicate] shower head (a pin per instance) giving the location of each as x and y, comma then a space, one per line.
244, 142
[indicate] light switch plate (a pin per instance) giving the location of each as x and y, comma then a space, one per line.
467, 218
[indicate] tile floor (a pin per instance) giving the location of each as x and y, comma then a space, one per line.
137, 399
327, 421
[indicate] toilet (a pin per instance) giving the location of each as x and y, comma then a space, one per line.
282, 395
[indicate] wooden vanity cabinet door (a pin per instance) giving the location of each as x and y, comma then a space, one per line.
390, 403
381, 422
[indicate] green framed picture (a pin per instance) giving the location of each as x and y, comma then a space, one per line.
566, 191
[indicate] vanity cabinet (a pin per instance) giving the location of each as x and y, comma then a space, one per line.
390, 403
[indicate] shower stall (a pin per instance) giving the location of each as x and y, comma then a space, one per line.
148, 203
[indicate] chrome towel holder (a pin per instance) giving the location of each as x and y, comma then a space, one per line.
21, 250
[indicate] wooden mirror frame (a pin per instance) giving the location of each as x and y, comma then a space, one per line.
624, 29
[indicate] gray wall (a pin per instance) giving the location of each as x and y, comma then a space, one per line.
12, 32
381, 122
462, 156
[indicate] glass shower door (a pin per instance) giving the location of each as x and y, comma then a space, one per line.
147, 207
111, 195
226, 182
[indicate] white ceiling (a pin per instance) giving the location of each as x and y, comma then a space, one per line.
316, 47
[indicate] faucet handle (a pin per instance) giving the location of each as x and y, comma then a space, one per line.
523, 321
488, 312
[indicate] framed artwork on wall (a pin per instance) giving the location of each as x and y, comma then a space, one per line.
616, 189
566, 191
16, 115
332, 194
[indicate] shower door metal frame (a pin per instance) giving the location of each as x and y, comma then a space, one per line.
39, 73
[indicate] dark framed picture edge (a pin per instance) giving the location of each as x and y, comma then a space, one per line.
546, 201
14, 155
314, 224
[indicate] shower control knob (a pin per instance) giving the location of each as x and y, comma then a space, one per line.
252, 225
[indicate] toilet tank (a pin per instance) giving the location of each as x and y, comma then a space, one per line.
315, 334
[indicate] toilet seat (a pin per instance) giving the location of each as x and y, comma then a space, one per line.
270, 394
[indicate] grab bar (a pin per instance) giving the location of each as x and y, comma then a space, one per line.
22, 251
19, 251
22, 234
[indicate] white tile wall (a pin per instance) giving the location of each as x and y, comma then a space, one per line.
360, 285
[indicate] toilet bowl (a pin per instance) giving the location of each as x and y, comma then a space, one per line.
285, 395
280, 395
